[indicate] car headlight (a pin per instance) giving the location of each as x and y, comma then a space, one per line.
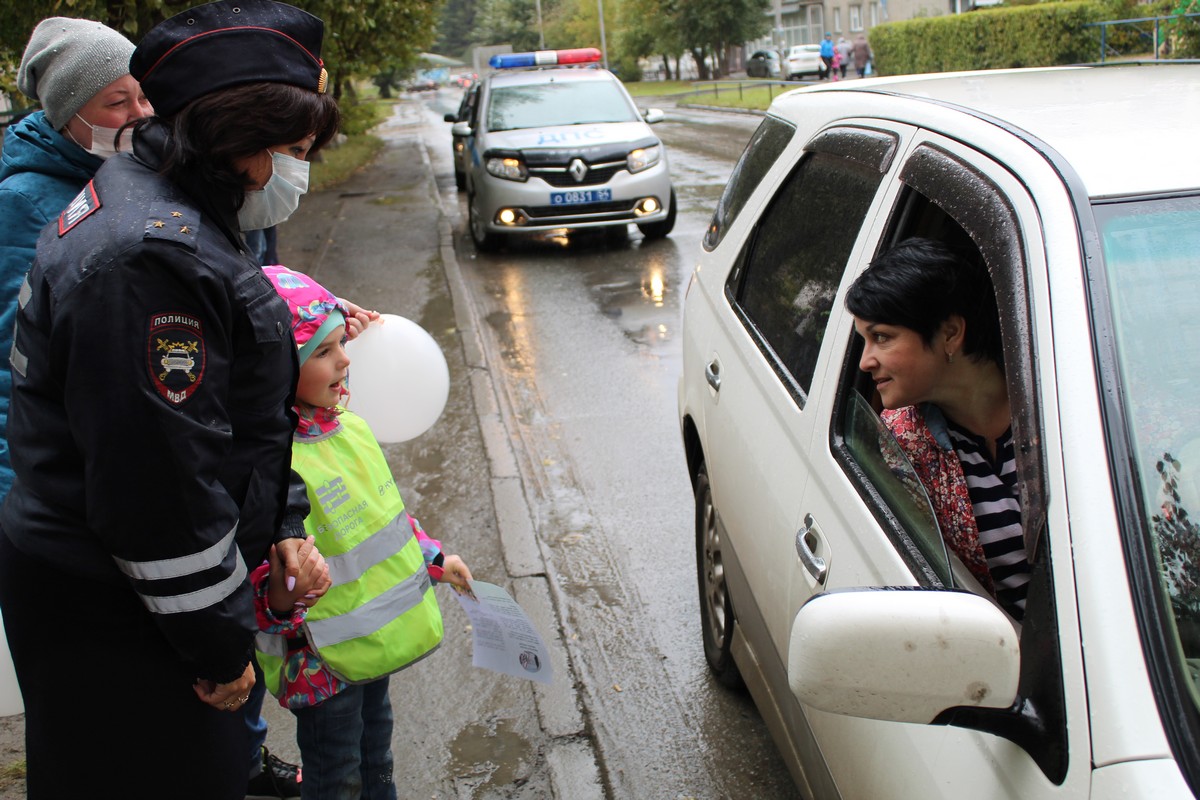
643, 158
507, 167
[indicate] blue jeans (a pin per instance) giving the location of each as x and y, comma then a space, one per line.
346, 745
256, 726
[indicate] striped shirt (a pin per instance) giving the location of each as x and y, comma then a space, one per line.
992, 487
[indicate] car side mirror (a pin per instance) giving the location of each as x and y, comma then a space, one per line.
450, 117
902, 654
461, 129
653, 115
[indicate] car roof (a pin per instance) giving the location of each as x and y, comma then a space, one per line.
534, 75
1127, 129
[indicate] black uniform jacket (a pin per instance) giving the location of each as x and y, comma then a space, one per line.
154, 372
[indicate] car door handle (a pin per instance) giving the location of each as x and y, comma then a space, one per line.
712, 374
806, 542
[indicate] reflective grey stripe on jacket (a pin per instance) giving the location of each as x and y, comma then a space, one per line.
381, 545
372, 615
271, 644
188, 565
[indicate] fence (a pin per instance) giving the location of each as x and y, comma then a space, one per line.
1143, 32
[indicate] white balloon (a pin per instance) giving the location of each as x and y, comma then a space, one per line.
399, 381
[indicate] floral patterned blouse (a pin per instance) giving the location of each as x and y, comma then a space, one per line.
940, 471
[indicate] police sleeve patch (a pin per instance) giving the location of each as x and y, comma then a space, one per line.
175, 355
84, 204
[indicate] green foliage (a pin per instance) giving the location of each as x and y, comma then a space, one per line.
366, 36
508, 22
18, 19
360, 115
454, 28
360, 37
1046, 34
1183, 33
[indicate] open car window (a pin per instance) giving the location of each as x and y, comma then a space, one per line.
883, 472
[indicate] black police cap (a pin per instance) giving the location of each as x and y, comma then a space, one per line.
223, 44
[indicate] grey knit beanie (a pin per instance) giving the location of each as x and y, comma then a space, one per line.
68, 61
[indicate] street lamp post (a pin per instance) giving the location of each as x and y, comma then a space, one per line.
541, 33
603, 43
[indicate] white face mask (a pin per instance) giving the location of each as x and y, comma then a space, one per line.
103, 138
276, 201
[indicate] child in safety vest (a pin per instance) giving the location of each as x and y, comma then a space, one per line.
329, 664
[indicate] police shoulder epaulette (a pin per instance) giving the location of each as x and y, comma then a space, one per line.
173, 222
84, 204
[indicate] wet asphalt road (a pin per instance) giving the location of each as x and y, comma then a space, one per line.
583, 338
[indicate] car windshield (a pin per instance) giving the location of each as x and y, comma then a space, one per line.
541, 105
1152, 259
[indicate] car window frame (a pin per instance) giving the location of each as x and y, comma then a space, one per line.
969, 197
870, 147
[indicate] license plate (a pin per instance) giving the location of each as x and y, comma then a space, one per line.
580, 196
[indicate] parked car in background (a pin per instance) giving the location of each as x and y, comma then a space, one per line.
881, 667
458, 141
803, 59
553, 147
765, 64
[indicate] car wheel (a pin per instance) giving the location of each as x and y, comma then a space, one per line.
657, 230
485, 240
716, 608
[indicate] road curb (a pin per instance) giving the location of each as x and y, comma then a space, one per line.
574, 767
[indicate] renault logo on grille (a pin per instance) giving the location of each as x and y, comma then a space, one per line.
578, 169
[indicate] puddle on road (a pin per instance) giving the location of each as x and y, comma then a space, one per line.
490, 755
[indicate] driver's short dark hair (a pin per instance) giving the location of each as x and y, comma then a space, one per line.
919, 283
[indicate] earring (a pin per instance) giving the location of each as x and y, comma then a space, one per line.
949, 357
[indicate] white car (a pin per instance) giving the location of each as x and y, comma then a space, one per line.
553, 147
803, 59
880, 667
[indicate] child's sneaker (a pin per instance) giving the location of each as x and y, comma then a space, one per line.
278, 778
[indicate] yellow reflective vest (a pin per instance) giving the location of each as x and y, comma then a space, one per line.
381, 614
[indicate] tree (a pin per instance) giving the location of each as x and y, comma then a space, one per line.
710, 28
360, 37
507, 22
18, 19
363, 37
648, 27
454, 28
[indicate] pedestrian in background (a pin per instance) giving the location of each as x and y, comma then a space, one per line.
845, 53
79, 71
826, 57
151, 419
862, 55
330, 664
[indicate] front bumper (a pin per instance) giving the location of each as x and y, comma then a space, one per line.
530, 206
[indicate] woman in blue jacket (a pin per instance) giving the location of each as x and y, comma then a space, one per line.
79, 71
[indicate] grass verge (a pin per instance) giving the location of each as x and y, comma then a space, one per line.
658, 88
339, 163
359, 148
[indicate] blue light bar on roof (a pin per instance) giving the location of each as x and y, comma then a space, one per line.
545, 58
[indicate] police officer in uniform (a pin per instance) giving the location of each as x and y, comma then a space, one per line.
151, 422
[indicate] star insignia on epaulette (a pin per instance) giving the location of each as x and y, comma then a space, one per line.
185, 229
176, 213
159, 224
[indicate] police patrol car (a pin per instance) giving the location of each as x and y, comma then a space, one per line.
550, 147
